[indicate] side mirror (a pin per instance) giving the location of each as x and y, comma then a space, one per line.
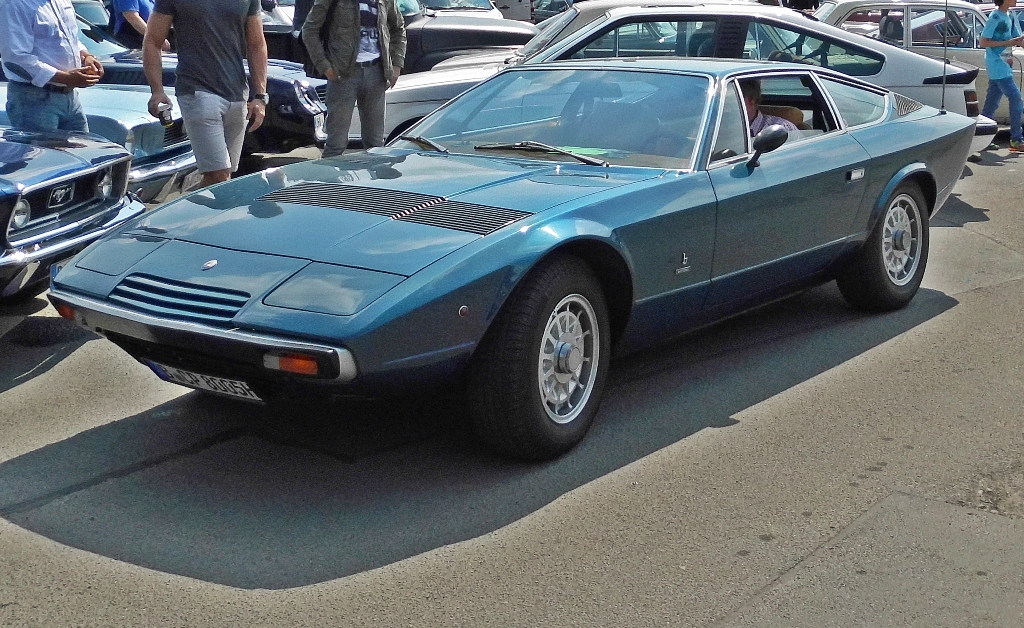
268, 5
770, 138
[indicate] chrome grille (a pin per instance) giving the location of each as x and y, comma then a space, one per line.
352, 197
177, 299
478, 219
175, 134
321, 92
905, 105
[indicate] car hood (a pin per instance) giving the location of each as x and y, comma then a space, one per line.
312, 224
416, 87
277, 69
27, 159
497, 58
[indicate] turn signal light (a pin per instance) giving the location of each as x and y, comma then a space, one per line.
299, 363
66, 311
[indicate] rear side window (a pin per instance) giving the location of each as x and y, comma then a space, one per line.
770, 42
686, 38
857, 106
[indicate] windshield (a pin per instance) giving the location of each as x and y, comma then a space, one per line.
825, 10
549, 29
92, 12
95, 41
458, 4
626, 118
409, 7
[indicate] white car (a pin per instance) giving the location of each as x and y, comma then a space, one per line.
936, 28
624, 28
464, 8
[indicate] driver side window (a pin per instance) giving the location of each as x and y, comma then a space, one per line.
732, 131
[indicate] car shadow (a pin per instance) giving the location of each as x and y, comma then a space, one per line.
275, 498
956, 213
35, 344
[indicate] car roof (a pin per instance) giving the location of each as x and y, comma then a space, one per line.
713, 68
938, 4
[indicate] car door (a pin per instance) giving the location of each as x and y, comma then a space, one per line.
784, 219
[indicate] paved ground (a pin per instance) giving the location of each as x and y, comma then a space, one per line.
806, 465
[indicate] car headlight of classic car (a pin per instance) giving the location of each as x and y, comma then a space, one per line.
330, 289
21, 215
307, 98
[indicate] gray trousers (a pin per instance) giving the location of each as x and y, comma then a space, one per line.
364, 88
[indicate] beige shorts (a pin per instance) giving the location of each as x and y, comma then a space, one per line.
216, 128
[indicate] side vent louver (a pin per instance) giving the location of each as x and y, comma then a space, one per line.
405, 206
905, 105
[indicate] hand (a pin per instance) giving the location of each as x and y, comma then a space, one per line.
331, 74
89, 61
257, 111
166, 46
157, 99
79, 77
394, 76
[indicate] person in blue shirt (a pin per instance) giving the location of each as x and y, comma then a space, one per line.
45, 64
130, 18
1000, 35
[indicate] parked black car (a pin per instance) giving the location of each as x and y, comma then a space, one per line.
295, 116
431, 36
59, 192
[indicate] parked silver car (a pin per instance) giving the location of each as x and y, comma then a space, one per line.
625, 28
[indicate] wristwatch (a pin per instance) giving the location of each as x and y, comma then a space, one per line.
265, 99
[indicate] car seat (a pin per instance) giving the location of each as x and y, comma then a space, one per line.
792, 114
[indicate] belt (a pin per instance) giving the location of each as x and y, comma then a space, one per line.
58, 89
366, 64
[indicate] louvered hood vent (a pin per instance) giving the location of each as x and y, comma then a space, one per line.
905, 105
422, 209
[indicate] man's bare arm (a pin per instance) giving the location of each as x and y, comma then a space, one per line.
157, 30
257, 45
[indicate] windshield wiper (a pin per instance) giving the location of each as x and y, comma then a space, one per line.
530, 145
423, 141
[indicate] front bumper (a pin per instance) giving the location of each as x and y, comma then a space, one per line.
228, 353
158, 181
28, 261
984, 134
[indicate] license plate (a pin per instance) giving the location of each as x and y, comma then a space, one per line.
221, 385
319, 127
56, 266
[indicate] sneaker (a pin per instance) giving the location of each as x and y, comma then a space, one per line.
1016, 147
993, 146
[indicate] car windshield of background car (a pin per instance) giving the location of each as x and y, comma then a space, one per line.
824, 10
769, 42
484, 5
96, 42
92, 12
693, 38
629, 118
549, 29
409, 7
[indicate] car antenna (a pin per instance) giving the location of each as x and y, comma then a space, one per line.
945, 57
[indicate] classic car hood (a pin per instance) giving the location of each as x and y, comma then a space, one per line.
496, 58
128, 104
31, 158
410, 87
277, 69
306, 216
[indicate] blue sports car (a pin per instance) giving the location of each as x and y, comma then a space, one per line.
518, 237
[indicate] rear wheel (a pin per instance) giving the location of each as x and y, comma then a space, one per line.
536, 380
887, 272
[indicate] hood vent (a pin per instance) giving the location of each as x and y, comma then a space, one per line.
422, 209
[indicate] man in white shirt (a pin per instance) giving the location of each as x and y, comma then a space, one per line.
44, 63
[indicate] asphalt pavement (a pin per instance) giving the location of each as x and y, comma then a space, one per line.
803, 465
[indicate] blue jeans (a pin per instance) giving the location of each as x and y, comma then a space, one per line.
996, 89
32, 108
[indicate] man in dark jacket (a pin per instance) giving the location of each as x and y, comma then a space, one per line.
364, 55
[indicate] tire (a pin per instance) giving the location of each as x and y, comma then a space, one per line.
532, 395
887, 272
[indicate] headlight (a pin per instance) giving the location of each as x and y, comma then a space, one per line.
105, 184
330, 289
129, 142
21, 215
311, 106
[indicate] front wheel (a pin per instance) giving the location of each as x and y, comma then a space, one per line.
887, 271
536, 380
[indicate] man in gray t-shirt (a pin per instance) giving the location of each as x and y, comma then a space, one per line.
213, 38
